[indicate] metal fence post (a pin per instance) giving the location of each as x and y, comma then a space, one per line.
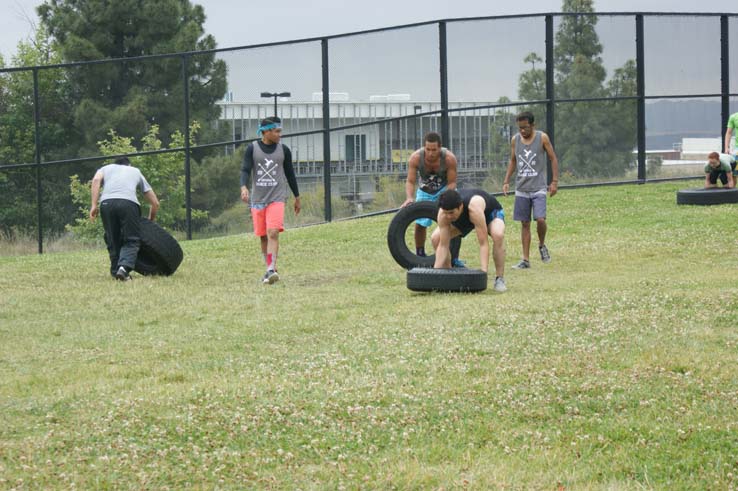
724, 75
641, 93
326, 132
550, 88
37, 143
443, 68
188, 197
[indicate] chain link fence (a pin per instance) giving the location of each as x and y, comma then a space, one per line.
625, 98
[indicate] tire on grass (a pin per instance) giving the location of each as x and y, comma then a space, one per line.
446, 280
160, 253
711, 196
396, 234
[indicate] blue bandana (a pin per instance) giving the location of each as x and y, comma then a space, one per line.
267, 127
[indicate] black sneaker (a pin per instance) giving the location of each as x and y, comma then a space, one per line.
270, 277
122, 274
545, 256
500, 284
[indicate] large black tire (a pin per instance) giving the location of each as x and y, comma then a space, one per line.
160, 253
396, 234
446, 280
711, 196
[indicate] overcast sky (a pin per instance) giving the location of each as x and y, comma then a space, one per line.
239, 22
485, 58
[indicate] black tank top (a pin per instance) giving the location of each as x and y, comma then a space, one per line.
463, 223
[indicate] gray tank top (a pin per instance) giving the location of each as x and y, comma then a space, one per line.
270, 182
531, 173
432, 183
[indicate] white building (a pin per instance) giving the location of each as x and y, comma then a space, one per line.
377, 147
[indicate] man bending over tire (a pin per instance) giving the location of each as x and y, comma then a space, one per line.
720, 166
121, 212
459, 213
271, 162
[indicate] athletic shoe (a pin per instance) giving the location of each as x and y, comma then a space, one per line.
270, 277
523, 264
421, 254
122, 274
500, 284
545, 256
458, 263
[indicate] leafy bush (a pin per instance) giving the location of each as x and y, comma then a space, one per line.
165, 173
653, 165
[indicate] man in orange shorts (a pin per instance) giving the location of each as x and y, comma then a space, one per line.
271, 163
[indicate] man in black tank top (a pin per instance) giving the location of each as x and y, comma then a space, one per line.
459, 213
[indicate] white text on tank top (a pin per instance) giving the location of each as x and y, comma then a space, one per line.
270, 183
531, 165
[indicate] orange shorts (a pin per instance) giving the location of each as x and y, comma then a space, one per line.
266, 218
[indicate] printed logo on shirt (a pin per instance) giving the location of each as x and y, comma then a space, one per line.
433, 184
265, 173
526, 163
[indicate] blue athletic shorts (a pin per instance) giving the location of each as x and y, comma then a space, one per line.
492, 215
421, 195
496, 214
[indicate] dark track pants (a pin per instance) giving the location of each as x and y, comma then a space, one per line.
121, 219
715, 175
721, 174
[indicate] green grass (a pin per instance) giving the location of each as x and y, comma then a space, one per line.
613, 367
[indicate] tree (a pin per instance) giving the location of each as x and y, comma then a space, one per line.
532, 84
215, 182
500, 133
17, 139
498, 146
132, 97
593, 139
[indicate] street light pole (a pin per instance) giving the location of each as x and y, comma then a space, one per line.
275, 95
416, 108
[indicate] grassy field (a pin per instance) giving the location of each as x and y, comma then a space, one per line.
614, 367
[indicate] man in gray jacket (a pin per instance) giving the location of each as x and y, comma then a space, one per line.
121, 212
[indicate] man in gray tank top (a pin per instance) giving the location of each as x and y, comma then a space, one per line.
528, 161
121, 212
271, 163
433, 167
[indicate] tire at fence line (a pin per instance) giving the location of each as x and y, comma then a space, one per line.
446, 280
396, 234
711, 196
160, 253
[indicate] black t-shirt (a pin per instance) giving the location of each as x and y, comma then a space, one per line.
463, 223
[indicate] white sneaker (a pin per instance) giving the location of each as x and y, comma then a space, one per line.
500, 284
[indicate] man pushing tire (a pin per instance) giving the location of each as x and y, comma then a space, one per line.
459, 213
121, 212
